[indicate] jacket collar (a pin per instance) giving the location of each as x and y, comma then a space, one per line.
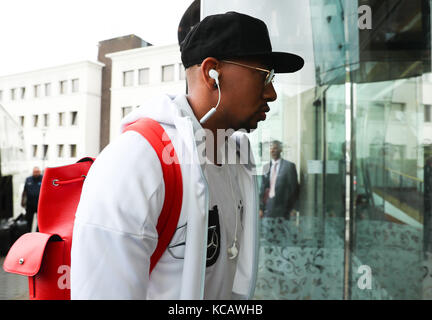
175, 111
165, 110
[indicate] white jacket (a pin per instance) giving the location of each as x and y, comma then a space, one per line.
115, 227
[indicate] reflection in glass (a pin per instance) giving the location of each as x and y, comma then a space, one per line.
356, 124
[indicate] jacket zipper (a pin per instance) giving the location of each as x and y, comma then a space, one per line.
256, 238
206, 208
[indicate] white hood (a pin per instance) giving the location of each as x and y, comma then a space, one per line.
164, 115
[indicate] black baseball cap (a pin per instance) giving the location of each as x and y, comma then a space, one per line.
234, 35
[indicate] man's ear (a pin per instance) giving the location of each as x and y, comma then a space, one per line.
206, 66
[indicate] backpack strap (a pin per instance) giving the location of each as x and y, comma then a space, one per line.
153, 132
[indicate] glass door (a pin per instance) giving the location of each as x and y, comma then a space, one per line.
356, 123
389, 258
302, 256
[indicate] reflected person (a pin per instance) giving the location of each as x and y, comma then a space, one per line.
279, 188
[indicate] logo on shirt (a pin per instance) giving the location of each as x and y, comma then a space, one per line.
213, 237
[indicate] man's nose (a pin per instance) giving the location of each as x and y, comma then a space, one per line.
269, 93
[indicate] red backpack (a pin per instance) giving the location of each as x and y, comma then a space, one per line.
45, 256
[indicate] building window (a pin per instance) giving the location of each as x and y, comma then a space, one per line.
45, 151
22, 92
128, 78
182, 72
60, 150
125, 111
46, 120
74, 117
21, 120
34, 150
75, 85
12, 92
60, 119
36, 90
427, 113
35, 120
398, 111
143, 76
47, 89
168, 73
63, 87
73, 149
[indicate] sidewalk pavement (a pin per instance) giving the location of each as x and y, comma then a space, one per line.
12, 286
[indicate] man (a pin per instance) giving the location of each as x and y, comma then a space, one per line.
213, 253
279, 187
30, 196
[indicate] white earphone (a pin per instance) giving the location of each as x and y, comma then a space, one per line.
214, 75
233, 251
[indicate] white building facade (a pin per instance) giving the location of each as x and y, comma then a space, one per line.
58, 109
139, 74
12, 164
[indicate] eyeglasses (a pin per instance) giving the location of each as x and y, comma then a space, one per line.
269, 73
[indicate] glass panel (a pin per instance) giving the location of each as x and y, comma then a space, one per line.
390, 202
74, 116
63, 87
427, 113
356, 122
168, 73
45, 152
126, 111
73, 148
47, 89
34, 150
301, 247
37, 90
128, 78
75, 85
46, 120
302, 254
182, 72
60, 118
60, 148
143, 76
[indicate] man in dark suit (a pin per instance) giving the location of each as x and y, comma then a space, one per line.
279, 188
30, 196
